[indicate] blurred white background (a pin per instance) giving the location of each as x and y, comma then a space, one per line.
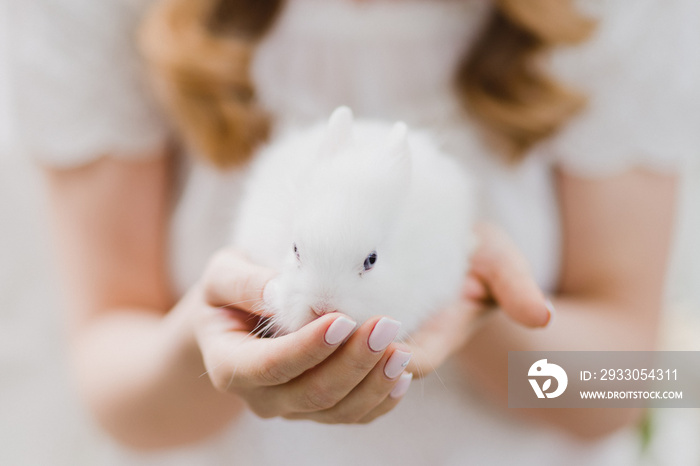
41, 421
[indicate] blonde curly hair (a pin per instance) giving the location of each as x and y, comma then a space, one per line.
200, 53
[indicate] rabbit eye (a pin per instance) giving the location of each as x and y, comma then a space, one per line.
296, 252
370, 260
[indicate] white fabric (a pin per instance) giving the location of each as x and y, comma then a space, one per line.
77, 88
78, 92
640, 71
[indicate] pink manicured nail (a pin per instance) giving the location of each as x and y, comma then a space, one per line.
383, 334
550, 308
401, 386
339, 330
396, 364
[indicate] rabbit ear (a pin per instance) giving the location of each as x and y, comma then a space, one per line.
396, 157
397, 143
338, 133
397, 148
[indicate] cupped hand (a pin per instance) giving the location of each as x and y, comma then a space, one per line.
499, 278
307, 374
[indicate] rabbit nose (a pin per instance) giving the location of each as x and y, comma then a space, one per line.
322, 308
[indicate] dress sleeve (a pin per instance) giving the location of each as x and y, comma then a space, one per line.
75, 86
640, 73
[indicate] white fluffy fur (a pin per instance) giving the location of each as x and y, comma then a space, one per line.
340, 191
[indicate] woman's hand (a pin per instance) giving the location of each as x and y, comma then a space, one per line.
307, 374
498, 274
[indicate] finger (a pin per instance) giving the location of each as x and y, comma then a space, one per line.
390, 401
371, 392
474, 289
441, 336
501, 266
232, 280
324, 386
242, 361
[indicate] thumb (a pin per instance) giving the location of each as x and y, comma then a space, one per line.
231, 280
506, 273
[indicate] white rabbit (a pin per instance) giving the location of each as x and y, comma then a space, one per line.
359, 217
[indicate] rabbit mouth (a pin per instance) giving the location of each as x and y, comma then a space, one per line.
322, 308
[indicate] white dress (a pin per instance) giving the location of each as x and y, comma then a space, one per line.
77, 90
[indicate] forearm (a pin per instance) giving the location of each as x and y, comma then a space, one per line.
142, 375
580, 324
137, 365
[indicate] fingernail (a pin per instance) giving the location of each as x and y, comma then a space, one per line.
550, 308
396, 364
472, 289
383, 334
401, 386
339, 330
